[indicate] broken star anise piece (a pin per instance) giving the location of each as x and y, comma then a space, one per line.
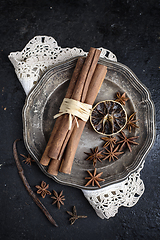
131, 122
58, 198
28, 159
121, 98
95, 155
109, 141
43, 189
112, 153
94, 179
74, 216
108, 117
127, 141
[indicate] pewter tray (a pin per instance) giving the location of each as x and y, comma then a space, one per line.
44, 101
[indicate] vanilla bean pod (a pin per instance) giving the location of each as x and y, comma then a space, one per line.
27, 186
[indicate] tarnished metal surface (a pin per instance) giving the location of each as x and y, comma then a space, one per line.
44, 102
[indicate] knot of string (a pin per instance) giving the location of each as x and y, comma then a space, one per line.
76, 109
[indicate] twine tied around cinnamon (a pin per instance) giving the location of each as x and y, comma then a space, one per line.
74, 108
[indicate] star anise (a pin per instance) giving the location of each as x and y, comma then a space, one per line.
95, 155
74, 216
28, 159
58, 199
121, 98
112, 153
131, 122
109, 141
127, 141
94, 179
43, 189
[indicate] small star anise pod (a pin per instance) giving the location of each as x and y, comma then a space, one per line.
43, 189
74, 216
28, 159
127, 141
109, 141
58, 199
131, 122
112, 153
95, 155
121, 98
94, 179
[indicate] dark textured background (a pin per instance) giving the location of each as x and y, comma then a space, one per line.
131, 30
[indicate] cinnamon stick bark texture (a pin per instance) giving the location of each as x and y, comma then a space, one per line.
80, 91
80, 88
84, 91
54, 166
55, 163
45, 159
67, 162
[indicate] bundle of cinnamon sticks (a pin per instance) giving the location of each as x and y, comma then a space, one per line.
84, 86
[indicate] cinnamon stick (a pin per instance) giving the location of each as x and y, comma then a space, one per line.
62, 136
83, 95
72, 145
45, 159
54, 166
81, 85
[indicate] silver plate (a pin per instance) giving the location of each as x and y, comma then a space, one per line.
44, 101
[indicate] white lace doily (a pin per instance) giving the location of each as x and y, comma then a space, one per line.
107, 200
40, 54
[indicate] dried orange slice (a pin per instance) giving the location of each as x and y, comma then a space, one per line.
108, 117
